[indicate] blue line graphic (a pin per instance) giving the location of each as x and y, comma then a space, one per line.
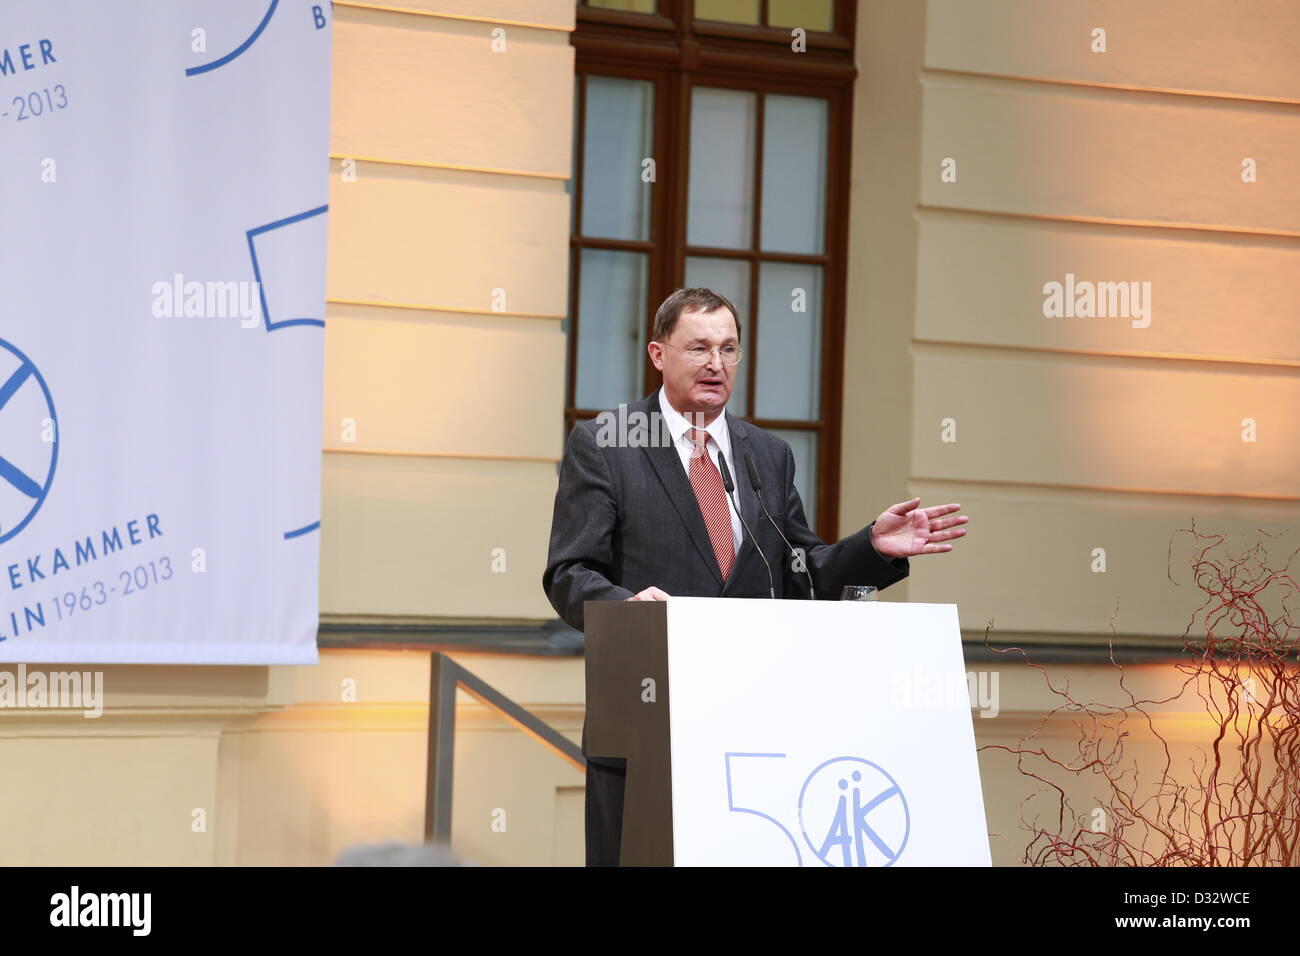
22, 482
731, 803
196, 70
15, 382
12, 474
306, 529
257, 269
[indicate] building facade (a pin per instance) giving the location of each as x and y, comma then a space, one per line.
923, 172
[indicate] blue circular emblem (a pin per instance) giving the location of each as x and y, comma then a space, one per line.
29, 441
853, 813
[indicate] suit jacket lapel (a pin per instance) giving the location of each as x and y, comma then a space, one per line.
668, 465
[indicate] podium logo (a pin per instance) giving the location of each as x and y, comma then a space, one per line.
853, 813
850, 811
29, 447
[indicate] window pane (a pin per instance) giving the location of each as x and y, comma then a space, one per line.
789, 341
732, 11
636, 6
809, 14
617, 137
794, 174
611, 328
727, 277
804, 446
721, 207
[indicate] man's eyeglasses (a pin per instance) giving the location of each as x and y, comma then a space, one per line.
699, 354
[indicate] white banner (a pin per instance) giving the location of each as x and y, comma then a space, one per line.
163, 186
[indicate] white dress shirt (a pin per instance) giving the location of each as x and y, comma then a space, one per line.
718, 438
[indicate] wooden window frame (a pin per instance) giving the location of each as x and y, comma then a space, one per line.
676, 54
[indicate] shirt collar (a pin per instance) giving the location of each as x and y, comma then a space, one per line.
678, 425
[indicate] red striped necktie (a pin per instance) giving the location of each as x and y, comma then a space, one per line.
707, 484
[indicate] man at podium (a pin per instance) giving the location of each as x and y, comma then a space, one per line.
674, 496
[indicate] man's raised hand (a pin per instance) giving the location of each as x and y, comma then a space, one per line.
904, 530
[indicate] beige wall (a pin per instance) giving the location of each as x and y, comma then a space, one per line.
324, 774
447, 287
1073, 433
1081, 433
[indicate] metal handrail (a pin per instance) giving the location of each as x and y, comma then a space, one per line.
445, 676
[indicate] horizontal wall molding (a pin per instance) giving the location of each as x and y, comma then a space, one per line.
556, 639
1117, 229
1116, 358
438, 457
548, 639
176, 720
994, 81
1015, 490
453, 309
471, 716
382, 161
1186, 228
1066, 651
1184, 725
439, 15
1108, 491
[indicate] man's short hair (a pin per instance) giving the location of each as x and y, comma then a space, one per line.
689, 300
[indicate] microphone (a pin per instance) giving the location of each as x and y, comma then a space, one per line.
730, 487
757, 484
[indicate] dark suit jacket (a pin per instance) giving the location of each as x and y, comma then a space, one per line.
626, 518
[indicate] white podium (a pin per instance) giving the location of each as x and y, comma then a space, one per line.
787, 733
